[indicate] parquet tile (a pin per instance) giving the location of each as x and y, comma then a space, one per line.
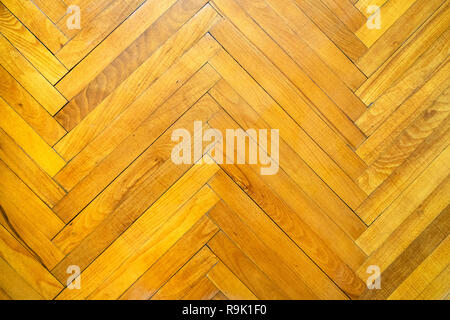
224, 149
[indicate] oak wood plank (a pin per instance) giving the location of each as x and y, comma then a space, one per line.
29, 140
30, 46
29, 77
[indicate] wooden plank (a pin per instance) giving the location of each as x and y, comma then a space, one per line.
90, 67
152, 236
55, 11
320, 43
422, 99
189, 275
120, 157
203, 290
14, 286
27, 267
438, 288
89, 10
423, 133
390, 12
160, 272
91, 35
295, 168
410, 229
29, 141
33, 50
424, 274
291, 221
156, 245
412, 257
290, 132
229, 284
245, 269
27, 218
36, 21
126, 213
311, 75
397, 34
287, 95
391, 188
29, 109
29, 77
347, 13
95, 91
271, 234
404, 205
262, 255
148, 164
25, 168
333, 28
162, 66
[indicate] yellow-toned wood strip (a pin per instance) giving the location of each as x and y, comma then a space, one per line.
297, 170
404, 205
295, 227
29, 140
35, 20
29, 109
27, 170
347, 13
336, 60
203, 290
126, 63
229, 284
424, 131
157, 245
403, 176
172, 261
27, 267
99, 58
262, 255
106, 171
431, 267
148, 163
149, 246
334, 28
389, 12
163, 65
313, 67
438, 289
297, 139
430, 62
363, 5
245, 269
89, 10
396, 66
271, 234
394, 37
287, 95
433, 92
399, 270
14, 286
90, 36
22, 70
33, 50
188, 276
54, 10
410, 229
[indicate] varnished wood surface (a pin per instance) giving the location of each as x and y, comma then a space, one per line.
87, 180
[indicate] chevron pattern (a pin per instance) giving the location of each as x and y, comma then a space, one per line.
87, 180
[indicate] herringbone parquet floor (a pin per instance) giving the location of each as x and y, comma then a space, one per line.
87, 178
